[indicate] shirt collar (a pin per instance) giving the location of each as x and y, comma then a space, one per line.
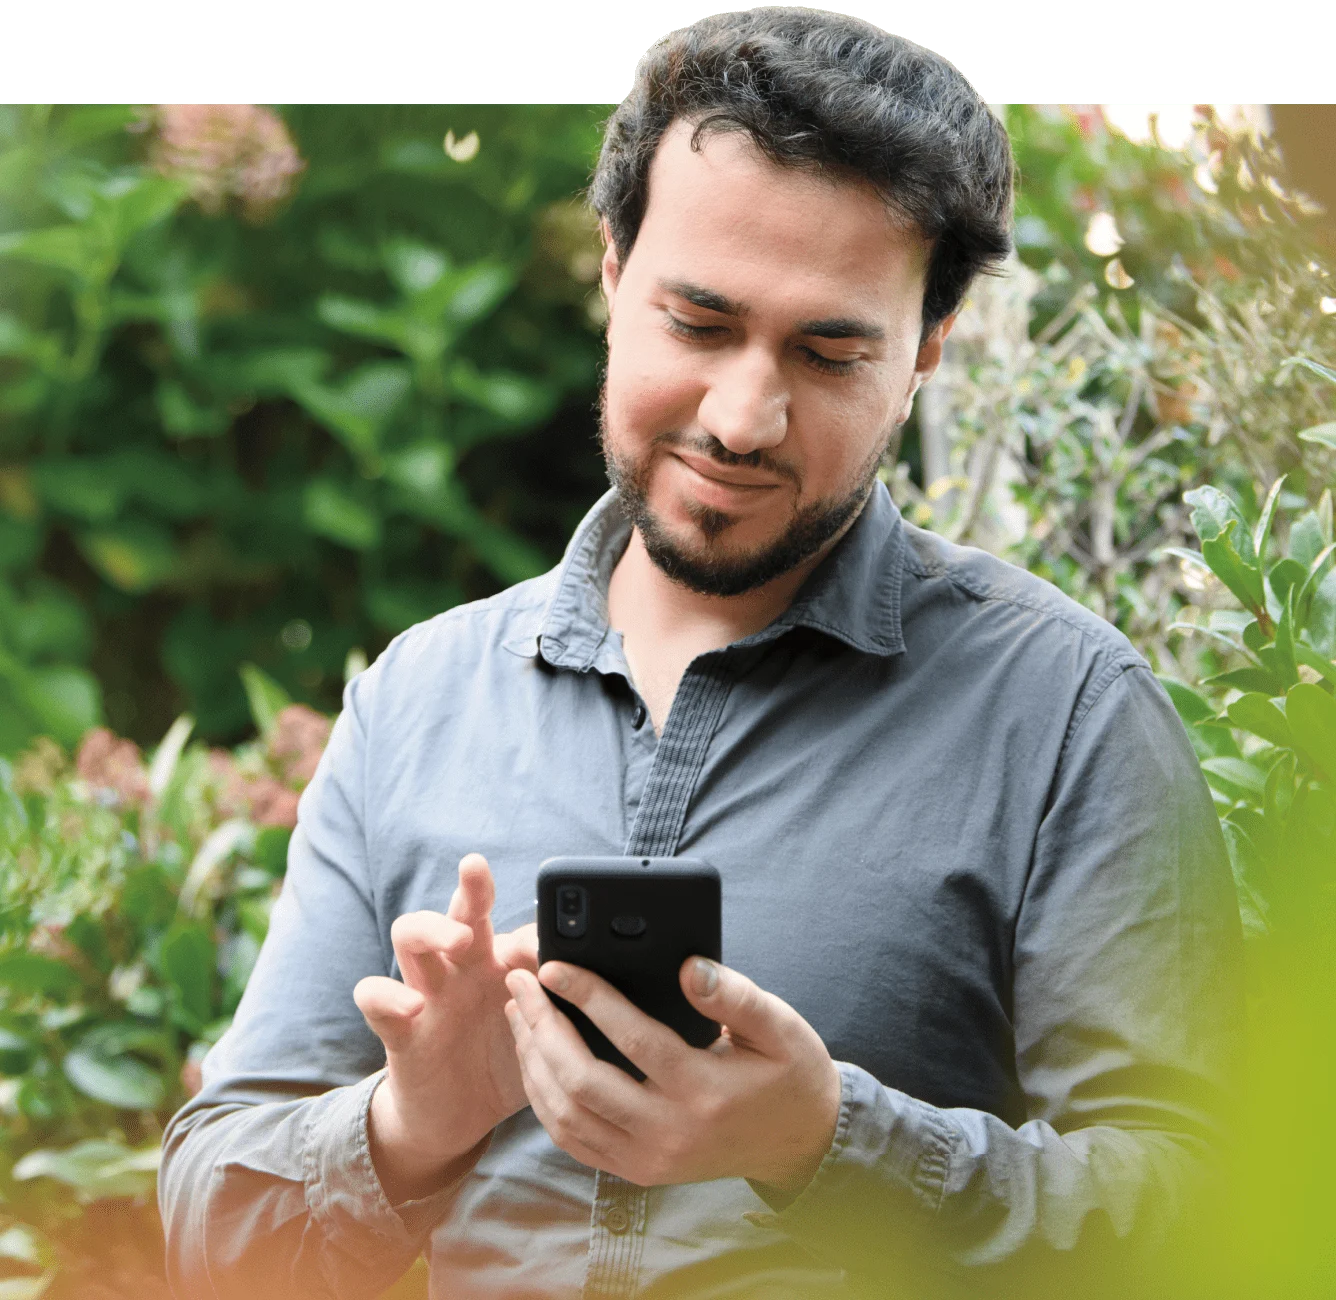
853, 595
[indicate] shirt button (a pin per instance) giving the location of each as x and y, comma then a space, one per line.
638, 717
616, 1219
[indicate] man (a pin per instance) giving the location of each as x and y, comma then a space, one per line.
980, 940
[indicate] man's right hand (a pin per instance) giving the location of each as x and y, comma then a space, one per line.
451, 1069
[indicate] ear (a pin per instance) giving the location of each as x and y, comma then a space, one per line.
611, 267
928, 359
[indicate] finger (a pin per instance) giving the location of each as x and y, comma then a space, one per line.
543, 1030
518, 950
573, 1127
657, 1051
471, 903
423, 943
754, 1018
389, 1008
475, 893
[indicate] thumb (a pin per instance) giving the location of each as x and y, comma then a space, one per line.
390, 1008
753, 1017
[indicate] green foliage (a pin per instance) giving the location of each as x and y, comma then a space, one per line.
1115, 366
241, 426
133, 903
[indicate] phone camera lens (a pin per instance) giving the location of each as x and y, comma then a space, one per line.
572, 911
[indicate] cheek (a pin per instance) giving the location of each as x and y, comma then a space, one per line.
650, 390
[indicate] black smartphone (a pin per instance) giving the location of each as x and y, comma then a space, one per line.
633, 921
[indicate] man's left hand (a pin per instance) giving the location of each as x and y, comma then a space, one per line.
761, 1102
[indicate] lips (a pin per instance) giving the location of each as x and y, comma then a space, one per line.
725, 476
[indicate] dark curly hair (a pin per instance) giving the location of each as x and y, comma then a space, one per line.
835, 94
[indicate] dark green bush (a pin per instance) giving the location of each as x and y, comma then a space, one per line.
274, 388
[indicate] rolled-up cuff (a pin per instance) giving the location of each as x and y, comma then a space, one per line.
890, 1157
343, 1191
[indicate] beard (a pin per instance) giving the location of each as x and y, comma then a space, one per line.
710, 570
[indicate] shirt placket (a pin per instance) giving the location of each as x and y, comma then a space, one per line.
619, 1219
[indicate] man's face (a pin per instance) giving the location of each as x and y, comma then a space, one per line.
763, 345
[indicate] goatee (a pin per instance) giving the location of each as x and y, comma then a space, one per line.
709, 570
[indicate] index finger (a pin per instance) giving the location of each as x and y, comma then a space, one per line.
656, 1051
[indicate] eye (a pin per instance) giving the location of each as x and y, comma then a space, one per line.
826, 364
685, 330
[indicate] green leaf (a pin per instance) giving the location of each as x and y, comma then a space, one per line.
187, 962
1231, 568
414, 267
121, 1081
1309, 364
133, 204
133, 555
1306, 655
95, 1168
147, 898
510, 397
1235, 777
1303, 601
1190, 706
1279, 792
266, 697
1320, 625
64, 700
73, 249
1249, 679
1306, 539
1243, 861
478, 290
271, 848
16, 1052
1282, 659
32, 972
184, 417
1284, 574
329, 511
1260, 715
1263, 529
359, 410
1322, 433
79, 488
1212, 513
1312, 717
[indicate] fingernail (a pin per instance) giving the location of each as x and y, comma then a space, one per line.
704, 976
556, 978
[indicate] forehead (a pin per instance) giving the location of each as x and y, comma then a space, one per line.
725, 209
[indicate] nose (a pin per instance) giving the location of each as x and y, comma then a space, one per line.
747, 404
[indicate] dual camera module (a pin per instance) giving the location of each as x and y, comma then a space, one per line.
573, 916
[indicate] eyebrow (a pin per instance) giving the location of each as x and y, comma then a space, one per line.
831, 327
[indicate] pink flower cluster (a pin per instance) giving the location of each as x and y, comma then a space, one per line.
293, 751
107, 762
262, 787
227, 151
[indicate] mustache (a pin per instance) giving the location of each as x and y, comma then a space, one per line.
711, 448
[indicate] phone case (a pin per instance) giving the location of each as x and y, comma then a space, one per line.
642, 918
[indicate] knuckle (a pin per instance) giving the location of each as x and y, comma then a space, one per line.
580, 1088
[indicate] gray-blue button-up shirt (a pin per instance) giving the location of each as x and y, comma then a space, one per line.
959, 828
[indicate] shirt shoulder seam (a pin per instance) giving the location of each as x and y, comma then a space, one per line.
923, 571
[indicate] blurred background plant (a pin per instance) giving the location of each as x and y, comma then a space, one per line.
133, 903
273, 386
1134, 349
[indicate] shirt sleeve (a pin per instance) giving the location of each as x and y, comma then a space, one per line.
1127, 1015
266, 1186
